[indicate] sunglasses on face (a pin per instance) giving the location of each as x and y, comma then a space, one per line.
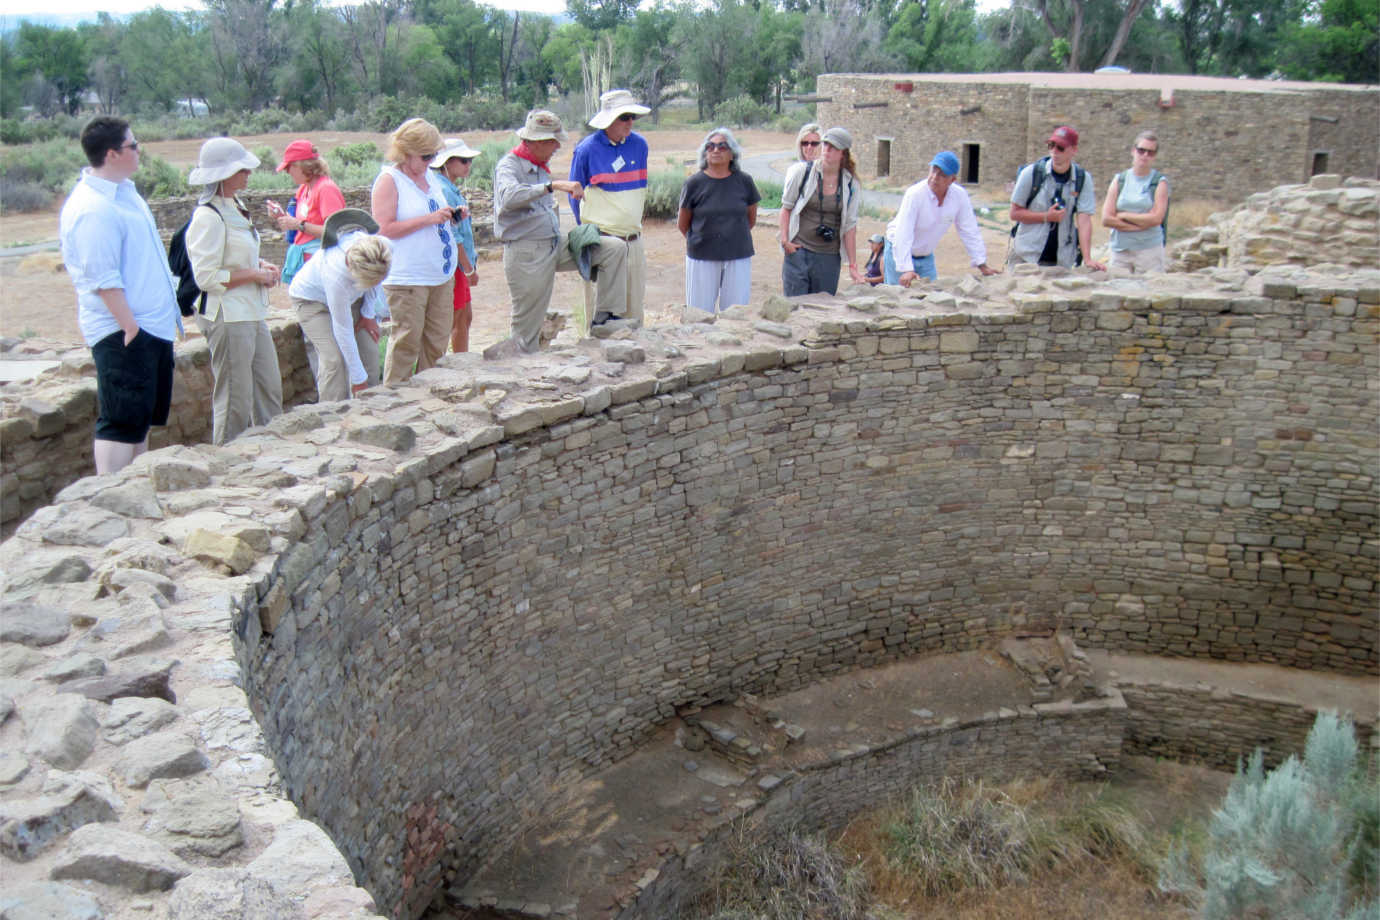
627, 116
132, 145
1144, 152
810, 143
1059, 147
717, 145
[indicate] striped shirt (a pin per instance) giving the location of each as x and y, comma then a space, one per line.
615, 181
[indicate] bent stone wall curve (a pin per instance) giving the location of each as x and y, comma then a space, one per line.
450, 597
1187, 473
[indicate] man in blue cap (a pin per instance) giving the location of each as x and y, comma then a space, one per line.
925, 213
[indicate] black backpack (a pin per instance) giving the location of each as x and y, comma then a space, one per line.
181, 267
1039, 170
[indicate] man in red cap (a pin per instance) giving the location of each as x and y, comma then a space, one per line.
1052, 204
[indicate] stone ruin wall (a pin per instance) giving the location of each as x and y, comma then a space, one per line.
1328, 221
1218, 144
537, 562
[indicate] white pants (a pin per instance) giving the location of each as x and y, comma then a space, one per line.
724, 283
1139, 260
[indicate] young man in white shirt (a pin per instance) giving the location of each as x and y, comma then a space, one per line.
926, 212
126, 303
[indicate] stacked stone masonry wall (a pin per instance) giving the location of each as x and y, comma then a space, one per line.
1216, 144
1330, 220
450, 598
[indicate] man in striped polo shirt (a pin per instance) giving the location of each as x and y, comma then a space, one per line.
611, 165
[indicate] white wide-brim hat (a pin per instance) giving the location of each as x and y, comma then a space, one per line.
542, 126
614, 103
453, 147
220, 158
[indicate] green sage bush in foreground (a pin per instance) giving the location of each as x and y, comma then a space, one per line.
1297, 842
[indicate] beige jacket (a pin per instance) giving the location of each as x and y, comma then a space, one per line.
217, 242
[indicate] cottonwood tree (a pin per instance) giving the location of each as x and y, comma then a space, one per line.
250, 42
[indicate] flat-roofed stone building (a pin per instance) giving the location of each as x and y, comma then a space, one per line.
1220, 139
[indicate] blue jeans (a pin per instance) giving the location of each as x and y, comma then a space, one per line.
806, 272
922, 266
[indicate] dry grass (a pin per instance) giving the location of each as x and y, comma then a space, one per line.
1185, 217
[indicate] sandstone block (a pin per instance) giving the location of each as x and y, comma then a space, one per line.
136, 677
220, 549
33, 624
61, 729
164, 754
115, 857
30, 826
49, 901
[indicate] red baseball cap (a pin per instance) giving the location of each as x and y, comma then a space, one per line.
302, 149
1065, 135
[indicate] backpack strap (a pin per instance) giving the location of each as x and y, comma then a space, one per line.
206, 204
1038, 170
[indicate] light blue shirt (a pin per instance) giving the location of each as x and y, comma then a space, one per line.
464, 229
109, 240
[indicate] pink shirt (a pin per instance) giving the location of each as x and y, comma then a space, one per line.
316, 201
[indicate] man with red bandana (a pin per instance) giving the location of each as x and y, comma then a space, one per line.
534, 248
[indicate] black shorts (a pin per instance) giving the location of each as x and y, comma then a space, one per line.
133, 386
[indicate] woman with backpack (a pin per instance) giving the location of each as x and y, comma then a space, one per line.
223, 249
819, 219
1135, 210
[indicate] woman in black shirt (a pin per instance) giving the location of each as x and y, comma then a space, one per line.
718, 209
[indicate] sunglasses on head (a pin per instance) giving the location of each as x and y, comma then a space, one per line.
1145, 152
717, 145
810, 143
1059, 147
627, 116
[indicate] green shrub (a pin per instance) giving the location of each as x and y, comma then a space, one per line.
268, 160
157, 178
52, 165
741, 112
770, 192
1297, 841
23, 197
663, 194
482, 170
364, 153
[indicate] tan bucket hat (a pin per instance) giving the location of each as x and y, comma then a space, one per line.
614, 103
542, 126
453, 147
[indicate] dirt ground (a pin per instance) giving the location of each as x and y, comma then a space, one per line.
37, 301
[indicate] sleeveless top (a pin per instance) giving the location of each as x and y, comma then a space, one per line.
1134, 196
419, 259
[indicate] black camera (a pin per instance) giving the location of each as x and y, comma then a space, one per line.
826, 233
1058, 200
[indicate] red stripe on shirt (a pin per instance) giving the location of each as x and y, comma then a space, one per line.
634, 175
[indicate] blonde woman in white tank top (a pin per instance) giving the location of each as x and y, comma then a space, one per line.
410, 207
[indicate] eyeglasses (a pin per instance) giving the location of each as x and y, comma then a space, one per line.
446, 251
466, 160
717, 145
1145, 153
132, 145
810, 143
1059, 147
627, 116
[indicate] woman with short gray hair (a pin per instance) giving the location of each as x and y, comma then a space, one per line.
718, 209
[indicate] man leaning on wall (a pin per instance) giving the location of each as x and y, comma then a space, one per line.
126, 304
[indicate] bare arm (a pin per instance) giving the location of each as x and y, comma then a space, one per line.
752, 216
1110, 220
383, 204
1084, 221
850, 258
683, 221
1022, 215
1155, 216
785, 220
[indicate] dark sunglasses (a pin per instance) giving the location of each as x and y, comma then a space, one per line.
627, 116
1145, 153
1059, 147
717, 145
810, 143
132, 145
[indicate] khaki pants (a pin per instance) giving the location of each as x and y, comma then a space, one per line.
248, 387
637, 286
530, 267
332, 373
422, 318
1150, 259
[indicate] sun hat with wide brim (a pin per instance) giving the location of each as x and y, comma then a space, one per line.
614, 103
345, 220
453, 147
220, 158
542, 126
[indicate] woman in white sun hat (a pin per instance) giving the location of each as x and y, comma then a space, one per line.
453, 163
223, 249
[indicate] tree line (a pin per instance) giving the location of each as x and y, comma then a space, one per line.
303, 55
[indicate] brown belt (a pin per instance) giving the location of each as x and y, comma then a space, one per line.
618, 236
